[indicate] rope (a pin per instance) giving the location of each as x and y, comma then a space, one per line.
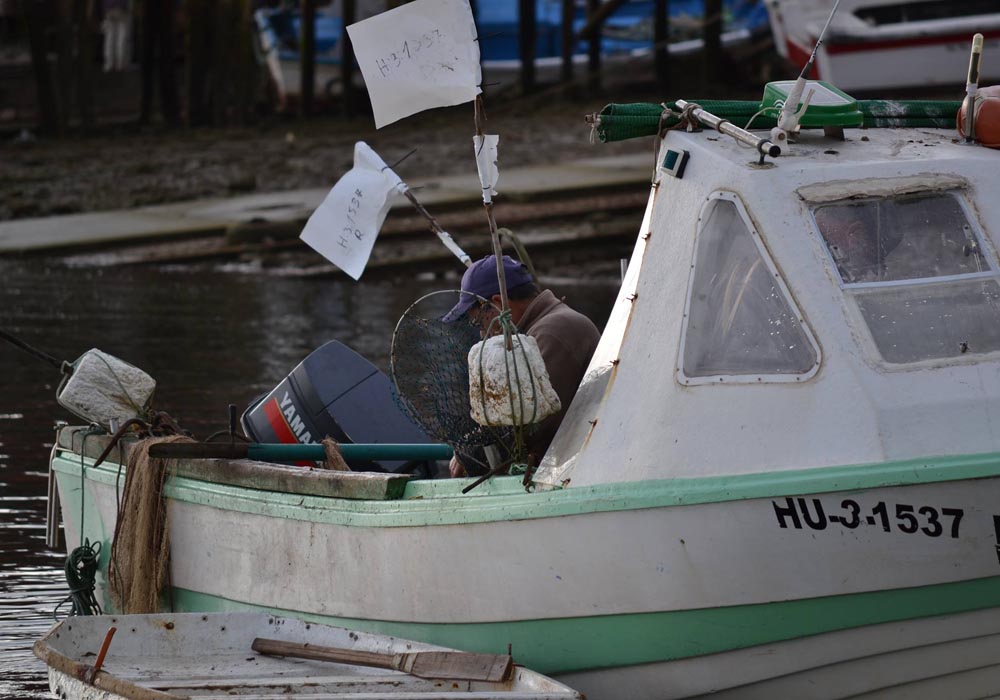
81, 575
81, 563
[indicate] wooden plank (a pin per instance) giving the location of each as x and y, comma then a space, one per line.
437, 694
262, 476
457, 665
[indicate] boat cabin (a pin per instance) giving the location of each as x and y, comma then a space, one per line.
837, 305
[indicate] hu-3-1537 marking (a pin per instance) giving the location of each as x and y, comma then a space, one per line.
799, 513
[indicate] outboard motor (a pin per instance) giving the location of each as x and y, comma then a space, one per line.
336, 392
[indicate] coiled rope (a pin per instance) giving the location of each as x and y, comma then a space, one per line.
81, 575
82, 561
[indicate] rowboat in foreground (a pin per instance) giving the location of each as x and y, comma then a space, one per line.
779, 477
255, 655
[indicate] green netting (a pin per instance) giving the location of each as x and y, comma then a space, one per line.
617, 122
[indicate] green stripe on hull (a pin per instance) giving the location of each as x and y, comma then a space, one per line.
442, 503
566, 645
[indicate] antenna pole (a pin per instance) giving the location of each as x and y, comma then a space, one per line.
788, 118
971, 87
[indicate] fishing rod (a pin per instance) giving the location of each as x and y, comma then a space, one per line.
60, 365
98, 387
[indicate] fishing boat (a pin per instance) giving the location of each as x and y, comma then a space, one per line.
626, 37
169, 656
779, 476
876, 45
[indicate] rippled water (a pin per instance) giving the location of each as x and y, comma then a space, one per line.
210, 337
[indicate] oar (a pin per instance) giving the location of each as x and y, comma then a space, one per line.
450, 665
274, 452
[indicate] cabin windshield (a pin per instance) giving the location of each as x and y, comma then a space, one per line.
918, 272
741, 324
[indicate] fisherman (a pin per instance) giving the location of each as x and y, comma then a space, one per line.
566, 338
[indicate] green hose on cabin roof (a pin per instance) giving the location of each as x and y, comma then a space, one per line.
618, 122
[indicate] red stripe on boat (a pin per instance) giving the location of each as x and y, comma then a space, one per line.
862, 45
799, 56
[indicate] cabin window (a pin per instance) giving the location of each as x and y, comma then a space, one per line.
741, 323
917, 269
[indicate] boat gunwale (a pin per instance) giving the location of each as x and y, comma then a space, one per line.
440, 502
59, 662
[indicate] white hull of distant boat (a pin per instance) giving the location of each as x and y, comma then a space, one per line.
868, 48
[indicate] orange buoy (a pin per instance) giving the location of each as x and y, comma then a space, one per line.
986, 116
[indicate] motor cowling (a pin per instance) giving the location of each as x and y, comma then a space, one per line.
335, 392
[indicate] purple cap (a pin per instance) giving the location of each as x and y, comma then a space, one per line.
480, 280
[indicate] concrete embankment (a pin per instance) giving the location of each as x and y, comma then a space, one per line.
280, 215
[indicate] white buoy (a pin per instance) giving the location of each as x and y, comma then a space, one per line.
510, 387
103, 389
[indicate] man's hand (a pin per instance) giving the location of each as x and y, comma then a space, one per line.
456, 468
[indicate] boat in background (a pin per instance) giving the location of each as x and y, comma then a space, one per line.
627, 35
174, 656
884, 44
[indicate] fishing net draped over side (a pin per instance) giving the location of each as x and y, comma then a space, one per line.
430, 371
140, 552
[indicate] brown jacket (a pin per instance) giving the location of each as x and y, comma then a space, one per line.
567, 340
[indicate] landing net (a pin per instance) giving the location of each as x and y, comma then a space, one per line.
429, 366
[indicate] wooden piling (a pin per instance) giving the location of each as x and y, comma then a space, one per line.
712, 53
527, 35
347, 60
307, 56
568, 40
661, 45
593, 51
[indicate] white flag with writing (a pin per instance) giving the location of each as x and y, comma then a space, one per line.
344, 227
486, 162
417, 56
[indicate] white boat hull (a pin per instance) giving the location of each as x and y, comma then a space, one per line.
673, 600
916, 63
859, 56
